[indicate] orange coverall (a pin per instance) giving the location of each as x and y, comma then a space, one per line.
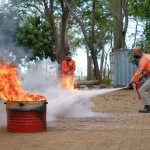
144, 65
65, 67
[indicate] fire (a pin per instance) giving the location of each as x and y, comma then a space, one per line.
10, 85
68, 82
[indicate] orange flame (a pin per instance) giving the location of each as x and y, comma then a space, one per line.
68, 82
10, 85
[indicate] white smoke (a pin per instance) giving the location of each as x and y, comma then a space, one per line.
62, 103
42, 78
72, 104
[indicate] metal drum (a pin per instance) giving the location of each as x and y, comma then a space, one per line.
26, 116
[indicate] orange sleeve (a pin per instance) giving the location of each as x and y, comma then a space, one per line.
64, 67
142, 65
74, 66
136, 76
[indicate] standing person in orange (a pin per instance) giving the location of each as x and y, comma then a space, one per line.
68, 65
68, 68
144, 66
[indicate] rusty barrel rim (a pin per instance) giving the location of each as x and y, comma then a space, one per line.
26, 105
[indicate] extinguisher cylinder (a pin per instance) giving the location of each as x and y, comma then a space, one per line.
138, 85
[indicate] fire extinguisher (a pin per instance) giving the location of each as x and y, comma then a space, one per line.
137, 86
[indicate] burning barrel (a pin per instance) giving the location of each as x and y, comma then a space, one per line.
26, 116
25, 112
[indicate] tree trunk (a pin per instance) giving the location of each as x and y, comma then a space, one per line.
120, 13
96, 67
89, 59
117, 14
101, 63
125, 17
135, 34
89, 40
64, 46
93, 50
59, 33
104, 74
90, 82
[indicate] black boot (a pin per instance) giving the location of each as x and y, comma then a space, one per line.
145, 110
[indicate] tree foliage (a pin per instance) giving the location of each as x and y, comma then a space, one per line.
64, 25
35, 34
140, 9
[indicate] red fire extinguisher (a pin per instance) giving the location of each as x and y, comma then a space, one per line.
137, 86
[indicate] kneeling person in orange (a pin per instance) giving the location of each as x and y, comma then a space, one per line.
68, 68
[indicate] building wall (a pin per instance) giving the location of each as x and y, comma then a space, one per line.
121, 70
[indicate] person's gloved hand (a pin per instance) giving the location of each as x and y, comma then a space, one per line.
140, 78
68, 73
129, 86
70, 68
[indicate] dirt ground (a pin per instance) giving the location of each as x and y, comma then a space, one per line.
116, 126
